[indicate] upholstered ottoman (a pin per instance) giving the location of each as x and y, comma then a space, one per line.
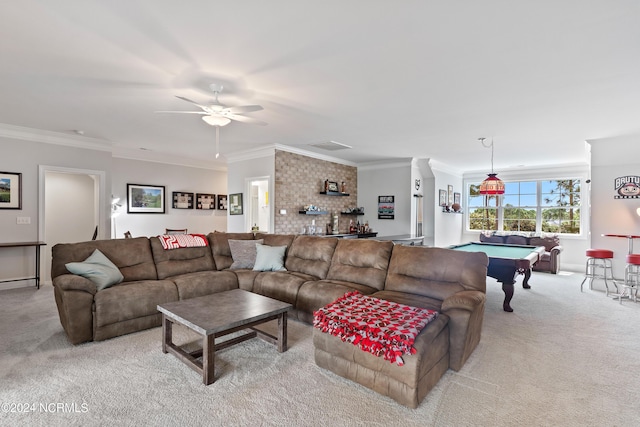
407, 384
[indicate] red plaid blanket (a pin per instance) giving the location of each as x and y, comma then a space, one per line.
383, 328
175, 241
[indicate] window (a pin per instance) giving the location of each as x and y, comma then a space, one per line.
551, 206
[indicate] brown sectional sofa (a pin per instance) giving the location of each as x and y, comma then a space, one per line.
318, 271
549, 261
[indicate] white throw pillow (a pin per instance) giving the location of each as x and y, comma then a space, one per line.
97, 268
269, 258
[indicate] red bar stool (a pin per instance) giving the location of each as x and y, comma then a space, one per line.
631, 277
598, 264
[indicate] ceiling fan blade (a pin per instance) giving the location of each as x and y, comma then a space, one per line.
184, 112
245, 119
244, 109
193, 102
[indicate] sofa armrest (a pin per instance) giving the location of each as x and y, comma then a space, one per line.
73, 282
466, 300
556, 249
74, 299
465, 310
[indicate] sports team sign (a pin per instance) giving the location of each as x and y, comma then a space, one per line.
627, 187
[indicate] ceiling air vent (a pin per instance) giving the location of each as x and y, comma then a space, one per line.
331, 146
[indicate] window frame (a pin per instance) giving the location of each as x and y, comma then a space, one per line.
552, 174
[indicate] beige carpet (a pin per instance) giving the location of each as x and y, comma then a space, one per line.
561, 359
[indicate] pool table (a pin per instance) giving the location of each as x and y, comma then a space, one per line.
505, 263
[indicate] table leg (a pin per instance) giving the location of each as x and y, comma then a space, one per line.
166, 333
208, 359
282, 332
37, 267
507, 288
525, 281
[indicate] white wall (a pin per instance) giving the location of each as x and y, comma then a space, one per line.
19, 155
447, 226
608, 214
392, 179
173, 178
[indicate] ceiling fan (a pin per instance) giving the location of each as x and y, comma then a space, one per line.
216, 114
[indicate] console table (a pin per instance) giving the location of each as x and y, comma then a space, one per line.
37, 245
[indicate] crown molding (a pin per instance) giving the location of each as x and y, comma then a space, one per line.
436, 165
270, 150
57, 138
386, 164
157, 157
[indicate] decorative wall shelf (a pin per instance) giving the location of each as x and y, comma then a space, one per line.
313, 212
352, 213
333, 193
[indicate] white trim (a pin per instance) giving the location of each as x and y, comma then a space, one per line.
385, 164
163, 158
57, 138
270, 150
436, 165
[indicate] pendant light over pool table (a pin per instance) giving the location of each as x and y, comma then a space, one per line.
492, 185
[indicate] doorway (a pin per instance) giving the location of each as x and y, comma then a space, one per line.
258, 205
69, 209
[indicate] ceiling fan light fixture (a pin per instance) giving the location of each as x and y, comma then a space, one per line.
216, 120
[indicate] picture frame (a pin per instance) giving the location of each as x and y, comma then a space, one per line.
333, 187
235, 204
144, 198
222, 202
386, 207
10, 190
442, 199
456, 198
205, 201
449, 195
181, 200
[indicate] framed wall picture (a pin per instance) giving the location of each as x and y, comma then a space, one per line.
182, 200
235, 204
386, 207
10, 190
205, 201
442, 199
145, 198
333, 186
456, 198
222, 202
449, 195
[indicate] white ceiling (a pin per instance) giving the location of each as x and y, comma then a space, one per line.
411, 78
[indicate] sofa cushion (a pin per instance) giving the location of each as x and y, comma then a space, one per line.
97, 268
361, 261
132, 256
491, 238
548, 242
311, 255
269, 258
131, 300
220, 249
243, 253
173, 262
436, 273
516, 240
281, 285
200, 283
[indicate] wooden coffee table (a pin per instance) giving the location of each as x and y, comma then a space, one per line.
217, 315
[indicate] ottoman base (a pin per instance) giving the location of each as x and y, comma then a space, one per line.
407, 384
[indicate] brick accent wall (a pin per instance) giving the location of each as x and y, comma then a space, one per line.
299, 181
